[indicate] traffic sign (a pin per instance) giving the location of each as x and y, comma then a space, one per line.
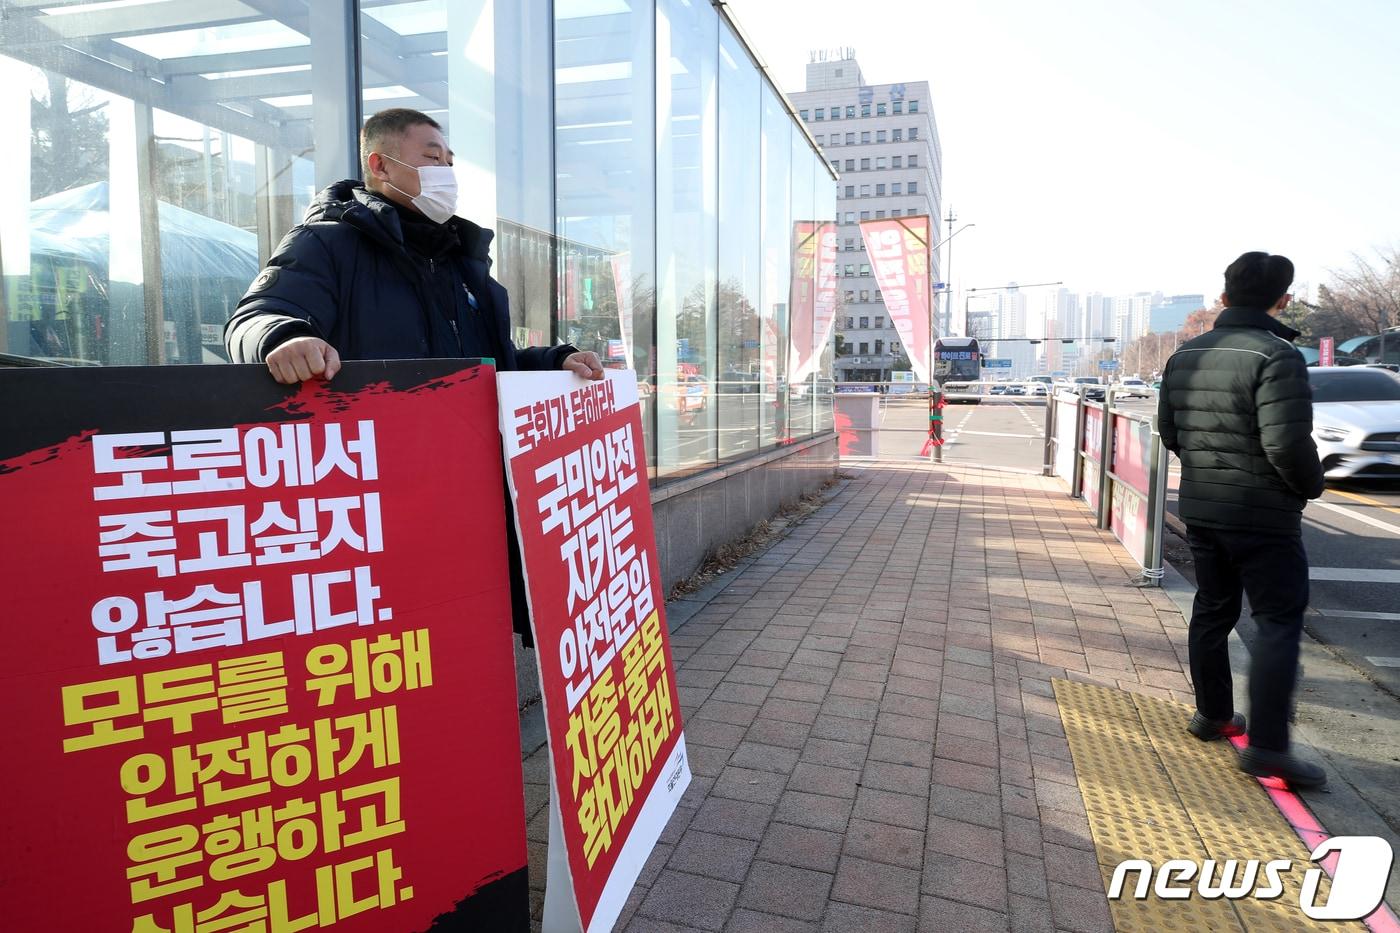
1108, 365
993, 362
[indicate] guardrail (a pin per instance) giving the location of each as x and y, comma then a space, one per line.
1114, 460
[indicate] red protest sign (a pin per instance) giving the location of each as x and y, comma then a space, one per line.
578, 479
261, 674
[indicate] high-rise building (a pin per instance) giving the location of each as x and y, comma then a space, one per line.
1170, 313
882, 141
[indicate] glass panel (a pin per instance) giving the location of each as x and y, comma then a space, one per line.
163, 159
740, 249
605, 151
503, 154
806, 238
686, 234
776, 159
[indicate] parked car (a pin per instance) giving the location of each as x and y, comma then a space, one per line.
1356, 421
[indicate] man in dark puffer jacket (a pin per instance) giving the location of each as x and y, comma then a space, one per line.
1236, 408
385, 270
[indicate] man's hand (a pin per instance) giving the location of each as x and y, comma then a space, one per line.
303, 358
584, 364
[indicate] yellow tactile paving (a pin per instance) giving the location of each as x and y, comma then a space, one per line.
1154, 792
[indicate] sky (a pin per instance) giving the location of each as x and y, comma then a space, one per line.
1126, 145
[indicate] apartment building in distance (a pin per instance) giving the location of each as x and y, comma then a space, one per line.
882, 141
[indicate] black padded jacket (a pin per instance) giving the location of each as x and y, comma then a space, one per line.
1236, 407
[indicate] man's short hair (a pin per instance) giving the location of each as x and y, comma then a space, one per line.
388, 126
1258, 280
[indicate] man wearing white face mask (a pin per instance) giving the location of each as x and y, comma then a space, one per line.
385, 270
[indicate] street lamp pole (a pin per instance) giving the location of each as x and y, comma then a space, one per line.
936, 451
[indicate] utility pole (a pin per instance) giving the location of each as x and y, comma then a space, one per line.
947, 278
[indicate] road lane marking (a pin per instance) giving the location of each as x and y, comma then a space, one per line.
1384, 662
1354, 575
1356, 614
1356, 516
1366, 500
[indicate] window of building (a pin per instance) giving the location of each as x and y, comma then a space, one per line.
913, 132
899, 106
850, 269
896, 161
913, 106
880, 136
850, 139
913, 187
896, 213
865, 268
821, 113
865, 165
896, 136
865, 191
850, 321
880, 322
879, 191
880, 162
864, 215
879, 110
879, 347
865, 322
835, 113
850, 113
850, 217
850, 165
806, 115
865, 348
879, 215
835, 139
850, 191
894, 188
865, 110
836, 165
821, 140
850, 243
878, 295
865, 136
913, 161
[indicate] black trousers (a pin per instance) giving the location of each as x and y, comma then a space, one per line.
1273, 571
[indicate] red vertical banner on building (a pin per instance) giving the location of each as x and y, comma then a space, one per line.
578, 480
252, 684
813, 296
802, 309
1326, 354
899, 255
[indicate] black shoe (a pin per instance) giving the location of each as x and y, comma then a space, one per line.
1208, 730
1261, 762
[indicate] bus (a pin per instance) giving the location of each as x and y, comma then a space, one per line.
957, 359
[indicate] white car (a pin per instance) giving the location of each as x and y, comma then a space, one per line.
1129, 388
1356, 421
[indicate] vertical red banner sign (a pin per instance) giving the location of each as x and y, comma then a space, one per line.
802, 310
899, 254
1326, 352
257, 689
578, 481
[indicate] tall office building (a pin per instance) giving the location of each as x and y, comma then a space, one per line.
1170, 313
882, 141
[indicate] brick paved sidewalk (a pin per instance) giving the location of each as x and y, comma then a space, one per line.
870, 720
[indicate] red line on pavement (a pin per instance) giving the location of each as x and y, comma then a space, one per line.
1311, 831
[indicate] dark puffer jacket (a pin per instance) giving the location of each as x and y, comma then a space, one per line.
344, 274
1236, 407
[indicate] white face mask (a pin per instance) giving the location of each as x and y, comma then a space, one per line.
437, 186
